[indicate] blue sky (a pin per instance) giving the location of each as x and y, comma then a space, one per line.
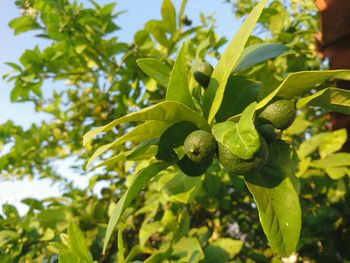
138, 12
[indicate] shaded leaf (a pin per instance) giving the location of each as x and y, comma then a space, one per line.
222, 250
258, 53
172, 138
239, 93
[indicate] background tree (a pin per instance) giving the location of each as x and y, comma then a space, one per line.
212, 216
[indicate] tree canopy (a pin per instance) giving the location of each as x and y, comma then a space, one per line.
127, 108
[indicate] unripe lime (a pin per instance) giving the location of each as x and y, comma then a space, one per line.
200, 145
202, 73
281, 114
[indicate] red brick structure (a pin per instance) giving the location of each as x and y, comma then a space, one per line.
334, 43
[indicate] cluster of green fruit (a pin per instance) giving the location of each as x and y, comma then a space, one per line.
200, 146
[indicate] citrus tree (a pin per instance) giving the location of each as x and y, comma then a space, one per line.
204, 163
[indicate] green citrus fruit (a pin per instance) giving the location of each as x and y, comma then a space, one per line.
281, 114
202, 73
268, 132
200, 145
236, 165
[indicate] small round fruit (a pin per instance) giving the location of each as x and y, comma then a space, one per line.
202, 73
236, 165
281, 114
200, 145
268, 132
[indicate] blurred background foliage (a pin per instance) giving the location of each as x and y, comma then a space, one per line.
207, 219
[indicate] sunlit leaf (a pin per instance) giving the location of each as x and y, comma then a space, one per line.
213, 96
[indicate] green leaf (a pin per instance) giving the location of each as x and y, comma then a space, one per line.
228, 62
239, 93
278, 206
309, 146
7, 236
169, 16
156, 28
334, 160
200, 54
296, 84
182, 188
155, 69
258, 53
139, 181
222, 250
147, 230
327, 142
147, 130
333, 142
330, 99
23, 24
70, 257
182, 11
241, 138
178, 88
188, 250
77, 242
172, 138
168, 111
337, 172
121, 249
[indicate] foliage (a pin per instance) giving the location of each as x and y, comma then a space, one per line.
145, 95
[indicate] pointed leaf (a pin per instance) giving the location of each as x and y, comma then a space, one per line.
77, 242
213, 96
168, 111
147, 130
169, 16
178, 88
138, 182
155, 69
334, 160
331, 99
258, 53
277, 200
296, 84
